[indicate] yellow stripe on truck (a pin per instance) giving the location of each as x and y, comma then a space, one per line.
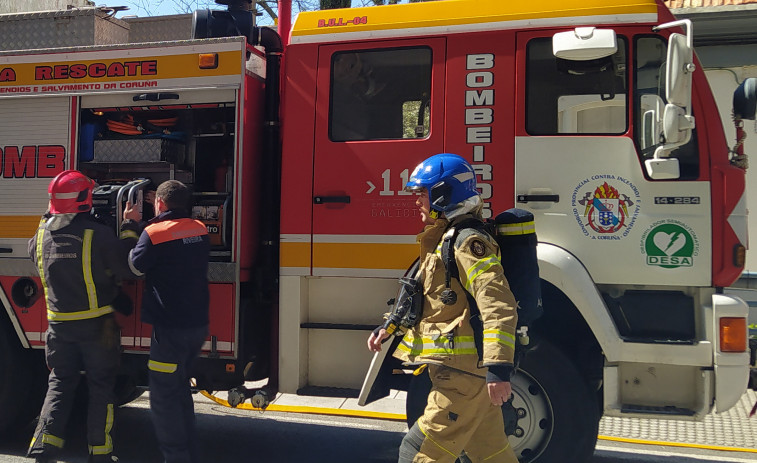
364, 255
294, 254
18, 226
452, 13
392, 256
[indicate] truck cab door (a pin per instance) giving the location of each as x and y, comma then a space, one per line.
580, 163
379, 113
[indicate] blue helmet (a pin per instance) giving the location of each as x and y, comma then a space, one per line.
449, 179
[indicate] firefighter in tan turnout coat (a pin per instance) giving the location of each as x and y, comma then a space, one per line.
464, 406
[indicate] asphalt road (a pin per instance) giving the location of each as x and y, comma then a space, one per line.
240, 436
227, 435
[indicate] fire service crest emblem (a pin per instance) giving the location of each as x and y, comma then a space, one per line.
607, 210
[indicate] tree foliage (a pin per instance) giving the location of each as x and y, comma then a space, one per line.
332, 4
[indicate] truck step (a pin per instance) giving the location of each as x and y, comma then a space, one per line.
323, 391
655, 410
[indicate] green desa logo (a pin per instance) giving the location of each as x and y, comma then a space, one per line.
670, 244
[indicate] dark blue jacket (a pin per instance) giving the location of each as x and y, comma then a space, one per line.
80, 261
173, 253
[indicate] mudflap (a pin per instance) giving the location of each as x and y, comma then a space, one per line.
381, 378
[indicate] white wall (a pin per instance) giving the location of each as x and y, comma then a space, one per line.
723, 83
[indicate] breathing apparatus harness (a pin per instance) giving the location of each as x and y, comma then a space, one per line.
408, 305
514, 232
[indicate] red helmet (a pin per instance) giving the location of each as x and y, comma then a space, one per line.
70, 192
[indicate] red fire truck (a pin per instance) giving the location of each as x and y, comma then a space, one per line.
592, 114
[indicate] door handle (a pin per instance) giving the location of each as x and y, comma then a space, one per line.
6, 250
540, 198
331, 199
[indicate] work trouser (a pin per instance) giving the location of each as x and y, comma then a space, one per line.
172, 352
459, 415
92, 346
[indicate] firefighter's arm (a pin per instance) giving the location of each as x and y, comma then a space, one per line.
499, 392
33, 247
376, 338
130, 231
115, 252
481, 274
131, 213
142, 258
33, 241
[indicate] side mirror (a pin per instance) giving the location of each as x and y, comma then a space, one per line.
661, 168
679, 69
677, 121
676, 125
652, 108
584, 44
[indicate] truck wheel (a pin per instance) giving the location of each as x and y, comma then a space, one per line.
553, 417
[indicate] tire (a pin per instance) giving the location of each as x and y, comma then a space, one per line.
553, 417
556, 412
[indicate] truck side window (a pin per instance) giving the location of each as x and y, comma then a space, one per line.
649, 103
575, 97
380, 94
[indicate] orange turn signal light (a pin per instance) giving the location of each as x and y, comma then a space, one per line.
739, 255
208, 60
230, 368
733, 336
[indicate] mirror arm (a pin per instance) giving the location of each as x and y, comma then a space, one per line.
682, 22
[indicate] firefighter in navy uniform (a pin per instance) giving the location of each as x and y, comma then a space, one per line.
464, 407
172, 253
79, 261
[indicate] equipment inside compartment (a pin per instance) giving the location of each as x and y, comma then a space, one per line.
130, 151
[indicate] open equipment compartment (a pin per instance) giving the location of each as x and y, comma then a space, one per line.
129, 145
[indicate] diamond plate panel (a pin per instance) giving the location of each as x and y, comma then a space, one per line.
160, 28
70, 28
733, 428
138, 150
222, 272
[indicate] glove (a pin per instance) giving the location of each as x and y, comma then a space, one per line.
122, 304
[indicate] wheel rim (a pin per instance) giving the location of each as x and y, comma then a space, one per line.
532, 411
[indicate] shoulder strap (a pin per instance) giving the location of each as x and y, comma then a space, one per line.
448, 246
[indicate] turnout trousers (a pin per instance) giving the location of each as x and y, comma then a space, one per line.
459, 415
92, 346
172, 352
